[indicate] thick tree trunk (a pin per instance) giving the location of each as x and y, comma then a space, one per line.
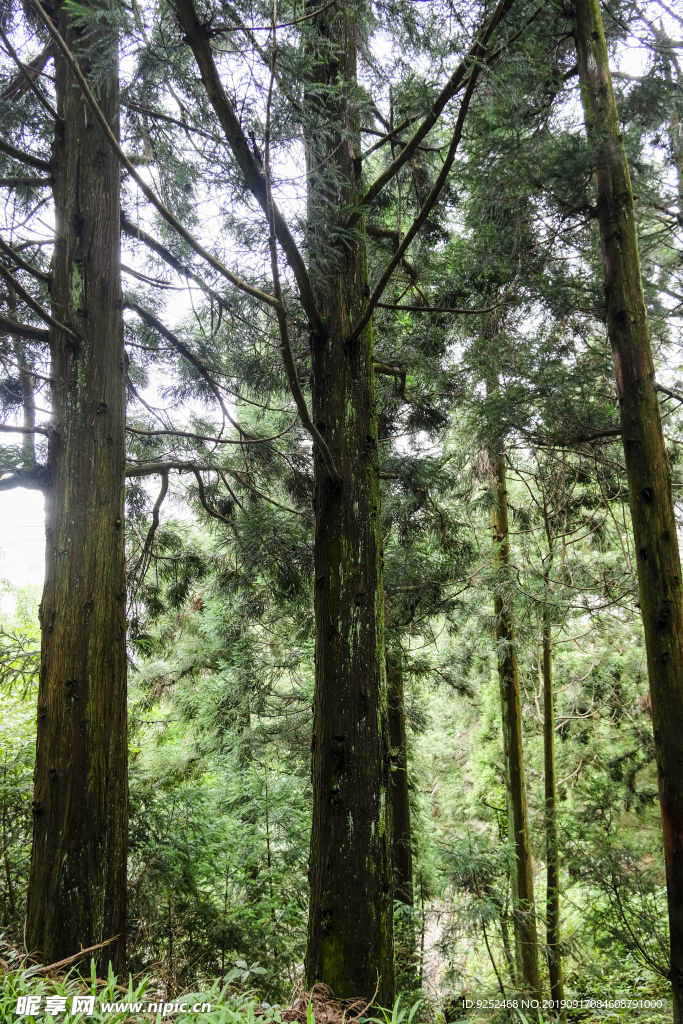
552, 906
350, 933
649, 484
77, 887
400, 794
518, 826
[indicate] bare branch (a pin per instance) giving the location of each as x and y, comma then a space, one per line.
35, 306
133, 231
23, 265
23, 330
8, 428
30, 77
19, 182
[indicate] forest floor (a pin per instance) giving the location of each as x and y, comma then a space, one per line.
56, 990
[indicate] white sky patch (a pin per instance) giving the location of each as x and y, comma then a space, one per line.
22, 540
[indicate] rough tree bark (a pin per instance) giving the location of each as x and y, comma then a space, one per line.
649, 483
524, 916
77, 886
400, 793
350, 931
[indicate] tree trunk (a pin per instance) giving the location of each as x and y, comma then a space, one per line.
507, 949
676, 127
350, 932
11, 898
551, 852
400, 794
77, 886
649, 484
518, 826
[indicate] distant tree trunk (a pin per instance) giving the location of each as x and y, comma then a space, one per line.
649, 484
507, 948
551, 845
11, 898
677, 148
350, 933
77, 886
518, 826
400, 794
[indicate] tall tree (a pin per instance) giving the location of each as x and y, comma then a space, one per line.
77, 887
351, 804
649, 483
350, 868
511, 708
552, 854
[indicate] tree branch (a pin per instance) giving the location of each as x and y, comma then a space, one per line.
19, 182
453, 85
171, 120
667, 391
25, 158
18, 85
141, 564
184, 351
204, 503
34, 479
30, 79
444, 309
125, 161
426, 207
22, 264
7, 428
35, 306
207, 437
198, 40
23, 330
156, 468
133, 231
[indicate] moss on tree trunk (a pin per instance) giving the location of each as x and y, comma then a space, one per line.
77, 887
350, 934
649, 484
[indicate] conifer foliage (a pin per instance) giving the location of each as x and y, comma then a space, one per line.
307, 314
